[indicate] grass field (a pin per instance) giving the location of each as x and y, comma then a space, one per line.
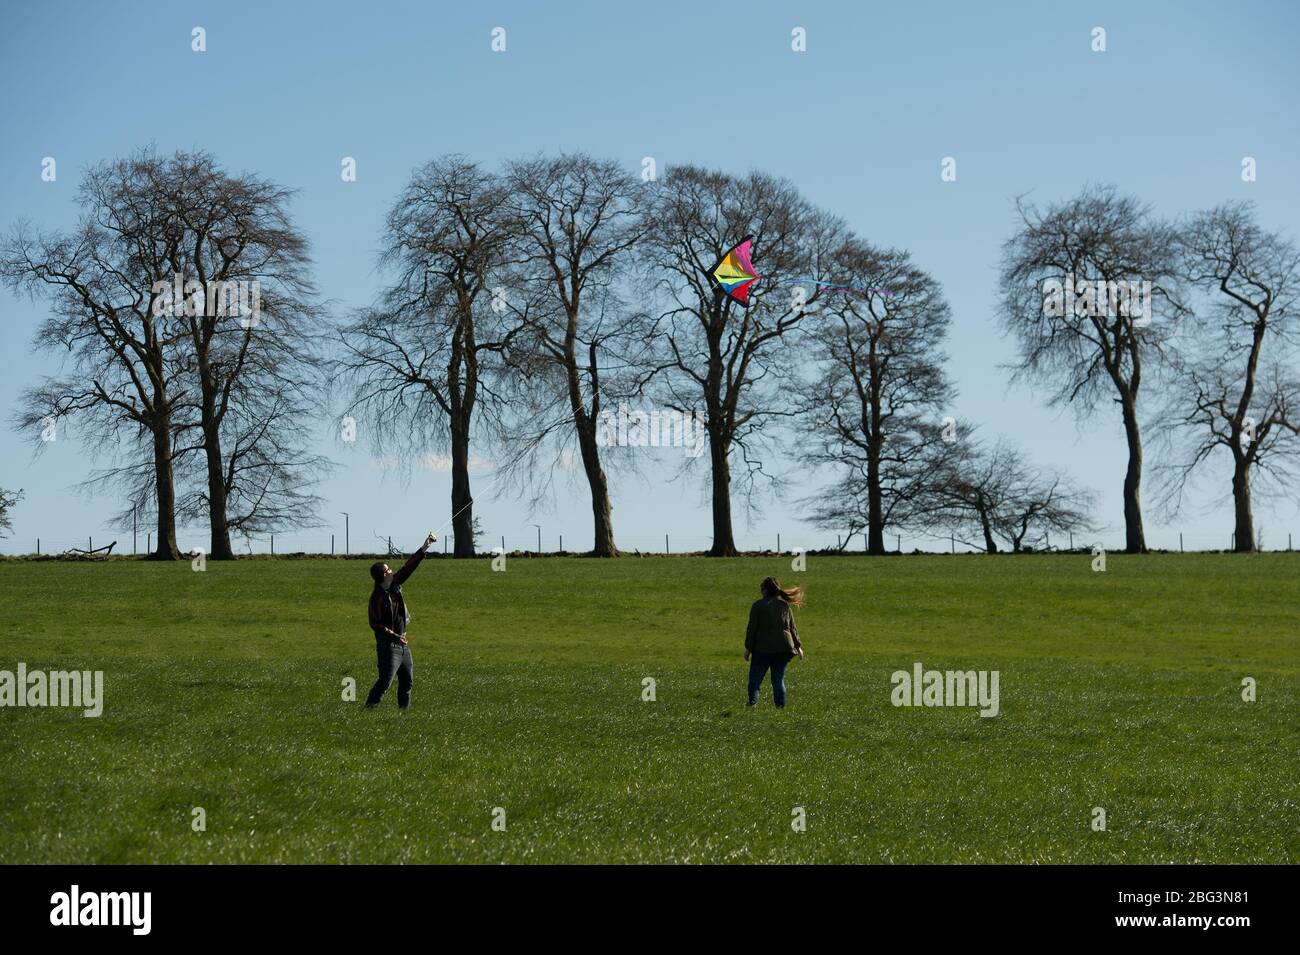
1119, 690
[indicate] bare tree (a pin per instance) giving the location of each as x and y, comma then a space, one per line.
875, 404
1073, 298
1236, 388
971, 487
714, 353
1045, 501
579, 219
999, 493
123, 380
249, 316
179, 282
422, 361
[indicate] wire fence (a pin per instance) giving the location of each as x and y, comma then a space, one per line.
341, 544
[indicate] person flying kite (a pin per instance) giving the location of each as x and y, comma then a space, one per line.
389, 618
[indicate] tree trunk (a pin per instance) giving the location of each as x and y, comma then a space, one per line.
603, 545
585, 426
1134, 537
1244, 541
875, 502
219, 541
165, 492
210, 421
724, 542
462, 502
1243, 458
990, 545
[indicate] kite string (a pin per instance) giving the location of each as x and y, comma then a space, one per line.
855, 288
470, 502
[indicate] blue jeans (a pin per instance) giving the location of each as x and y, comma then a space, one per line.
758, 666
394, 658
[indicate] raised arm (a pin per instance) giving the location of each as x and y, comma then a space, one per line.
413, 562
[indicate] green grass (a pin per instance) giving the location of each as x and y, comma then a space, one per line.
223, 690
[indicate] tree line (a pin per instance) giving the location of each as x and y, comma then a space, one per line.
520, 303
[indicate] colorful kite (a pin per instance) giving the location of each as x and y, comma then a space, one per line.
734, 273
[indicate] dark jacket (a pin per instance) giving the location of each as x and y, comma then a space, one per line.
771, 627
388, 607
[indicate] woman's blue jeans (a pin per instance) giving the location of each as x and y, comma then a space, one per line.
759, 664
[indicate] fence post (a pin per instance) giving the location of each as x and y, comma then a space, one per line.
148, 542
1180, 542
778, 542
331, 545
666, 550
899, 539
38, 547
272, 545
561, 543
503, 543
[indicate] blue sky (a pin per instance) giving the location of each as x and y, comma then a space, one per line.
860, 122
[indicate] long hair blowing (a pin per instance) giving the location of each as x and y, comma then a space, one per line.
772, 588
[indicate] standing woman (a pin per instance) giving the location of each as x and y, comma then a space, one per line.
772, 639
